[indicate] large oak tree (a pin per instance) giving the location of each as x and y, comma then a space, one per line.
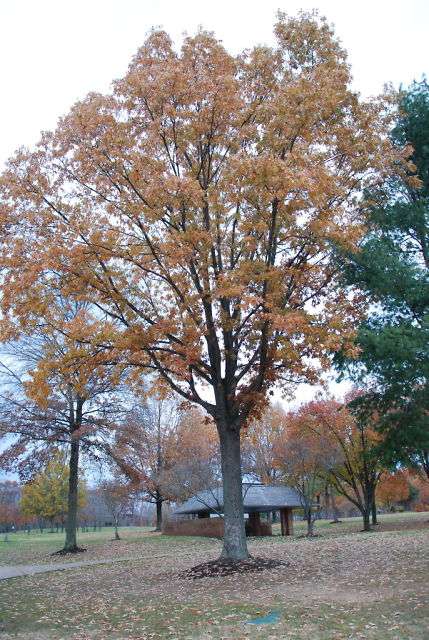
196, 208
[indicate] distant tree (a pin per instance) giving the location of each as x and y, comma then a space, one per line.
357, 461
194, 457
118, 496
46, 496
392, 489
258, 448
10, 513
331, 500
419, 490
143, 448
303, 457
168, 452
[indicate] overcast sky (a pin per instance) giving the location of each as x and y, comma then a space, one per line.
53, 52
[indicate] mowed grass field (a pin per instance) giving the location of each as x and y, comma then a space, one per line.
343, 584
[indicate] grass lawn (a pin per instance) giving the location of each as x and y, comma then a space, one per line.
36, 547
342, 585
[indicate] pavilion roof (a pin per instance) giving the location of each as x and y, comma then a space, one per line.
256, 498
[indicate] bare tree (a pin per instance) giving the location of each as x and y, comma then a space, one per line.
118, 497
46, 405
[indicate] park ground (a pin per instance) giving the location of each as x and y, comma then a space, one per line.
341, 585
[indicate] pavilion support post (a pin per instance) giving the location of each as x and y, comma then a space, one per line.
289, 522
286, 521
283, 522
255, 524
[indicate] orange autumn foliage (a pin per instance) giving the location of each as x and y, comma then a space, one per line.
353, 461
392, 489
159, 443
196, 210
302, 453
303, 456
195, 437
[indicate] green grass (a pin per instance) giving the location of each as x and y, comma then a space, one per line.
36, 547
343, 585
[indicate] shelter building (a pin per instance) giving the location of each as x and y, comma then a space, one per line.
257, 499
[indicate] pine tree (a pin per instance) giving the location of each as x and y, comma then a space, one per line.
392, 268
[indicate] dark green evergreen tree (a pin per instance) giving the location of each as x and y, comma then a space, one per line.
393, 269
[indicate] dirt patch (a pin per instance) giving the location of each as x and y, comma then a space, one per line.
222, 567
67, 552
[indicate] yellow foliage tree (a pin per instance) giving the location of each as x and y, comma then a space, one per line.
46, 496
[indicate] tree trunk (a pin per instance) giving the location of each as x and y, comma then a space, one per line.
335, 514
425, 458
374, 511
366, 520
117, 537
71, 521
310, 523
158, 500
159, 465
234, 541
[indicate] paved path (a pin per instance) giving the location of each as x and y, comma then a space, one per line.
15, 571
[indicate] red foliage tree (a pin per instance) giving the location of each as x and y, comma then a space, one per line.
392, 489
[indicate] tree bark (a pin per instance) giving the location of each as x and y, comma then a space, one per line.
117, 537
334, 508
158, 501
159, 465
310, 523
366, 521
374, 511
71, 521
234, 542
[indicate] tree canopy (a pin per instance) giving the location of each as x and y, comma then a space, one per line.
196, 210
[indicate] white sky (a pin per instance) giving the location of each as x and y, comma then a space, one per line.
53, 52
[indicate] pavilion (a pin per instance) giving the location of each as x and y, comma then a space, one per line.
257, 499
